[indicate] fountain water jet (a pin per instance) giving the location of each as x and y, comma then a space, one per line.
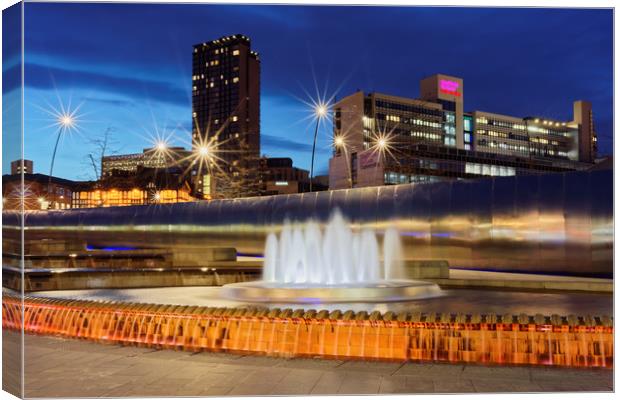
307, 265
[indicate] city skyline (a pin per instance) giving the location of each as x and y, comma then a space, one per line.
136, 78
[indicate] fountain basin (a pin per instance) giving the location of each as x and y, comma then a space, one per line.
307, 293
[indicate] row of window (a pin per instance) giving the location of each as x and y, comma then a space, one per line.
393, 178
450, 129
489, 170
522, 149
538, 129
407, 108
544, 141
217, 51
426, 135
212, 77
212, 84
504, 146
510, 135
408, 121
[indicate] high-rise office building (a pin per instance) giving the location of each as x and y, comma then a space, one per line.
226, 111
382, 139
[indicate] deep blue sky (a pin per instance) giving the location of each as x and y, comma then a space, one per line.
130, 66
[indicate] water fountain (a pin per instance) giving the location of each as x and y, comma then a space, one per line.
307, 265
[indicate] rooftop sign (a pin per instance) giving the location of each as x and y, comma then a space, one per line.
449, 87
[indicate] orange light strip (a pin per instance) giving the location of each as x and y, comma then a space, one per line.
311, 334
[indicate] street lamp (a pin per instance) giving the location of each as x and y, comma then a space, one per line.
161, 146
204, 152
203, 156
64, 122
340, 143
320, 112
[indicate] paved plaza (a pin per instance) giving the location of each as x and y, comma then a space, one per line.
57, 367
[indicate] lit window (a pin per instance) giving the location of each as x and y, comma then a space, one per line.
235, 79
235, 118
235, 52
467, 124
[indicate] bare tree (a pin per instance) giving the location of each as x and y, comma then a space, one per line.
240, 177
101, 146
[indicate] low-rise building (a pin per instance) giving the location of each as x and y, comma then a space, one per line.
124, 188
149, 158
39, 192
279, 176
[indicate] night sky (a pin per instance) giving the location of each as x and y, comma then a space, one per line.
129, 66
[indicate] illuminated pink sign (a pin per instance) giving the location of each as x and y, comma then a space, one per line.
449, 87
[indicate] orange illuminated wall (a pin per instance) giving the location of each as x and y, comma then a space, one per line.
114, 197
571, 341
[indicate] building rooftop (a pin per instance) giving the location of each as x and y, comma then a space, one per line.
39, 178
224, 40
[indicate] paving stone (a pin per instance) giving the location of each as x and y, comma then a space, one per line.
564, 386
430, 370
501, 373
310, 363
289, 390
254, 389
259, 361
126, 389
356, 384
328, 383
497, 385
393, 384
216, 391
419, 384
271, 375
381, 367
448, 385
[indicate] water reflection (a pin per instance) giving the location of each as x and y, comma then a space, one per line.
454, 301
